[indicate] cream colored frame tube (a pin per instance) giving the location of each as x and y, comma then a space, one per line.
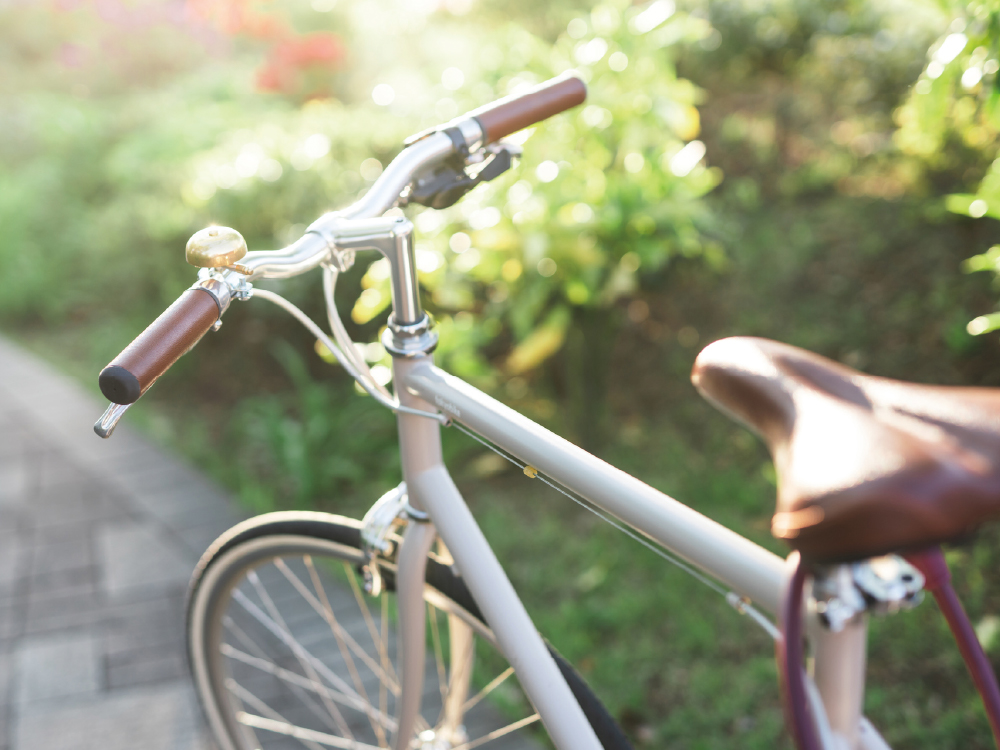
431, 489
747, 568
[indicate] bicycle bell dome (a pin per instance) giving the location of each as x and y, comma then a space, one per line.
215, 247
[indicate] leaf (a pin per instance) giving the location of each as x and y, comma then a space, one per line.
541, 343
988, 261
958, 203
988, 632
971, 205
983, 324
325, 354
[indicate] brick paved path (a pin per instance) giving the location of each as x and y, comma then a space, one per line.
97, 541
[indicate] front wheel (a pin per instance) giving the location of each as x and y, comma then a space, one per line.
287, 649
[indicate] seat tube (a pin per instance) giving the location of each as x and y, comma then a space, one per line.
839, 674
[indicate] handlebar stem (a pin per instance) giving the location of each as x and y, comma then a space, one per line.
391, 236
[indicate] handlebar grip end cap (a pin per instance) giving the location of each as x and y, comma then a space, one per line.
119, 385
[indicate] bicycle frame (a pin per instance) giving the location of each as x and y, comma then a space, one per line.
750, 570
426, 396
747, 568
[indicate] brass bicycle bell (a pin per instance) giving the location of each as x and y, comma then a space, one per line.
216, 247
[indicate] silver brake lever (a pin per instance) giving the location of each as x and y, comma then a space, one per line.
109, 420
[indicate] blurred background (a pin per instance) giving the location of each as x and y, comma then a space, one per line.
817, 172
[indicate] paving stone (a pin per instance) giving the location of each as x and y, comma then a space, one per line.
185, 503
57, 666
12, 518
138, 556
97, 543
47, 467
13, 559
6, 677
15, 439
76, 506
145, 625
199, 538
13, 480
146, 666
107, 457
56, 553
161, 718
66, 580
9, 622
151, 470
47, 611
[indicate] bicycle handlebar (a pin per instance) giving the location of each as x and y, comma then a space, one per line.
199, 308
153, 351
508, 115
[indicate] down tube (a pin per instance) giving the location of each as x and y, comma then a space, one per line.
746, 567
430, 488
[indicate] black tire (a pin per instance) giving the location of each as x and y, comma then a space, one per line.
263, 646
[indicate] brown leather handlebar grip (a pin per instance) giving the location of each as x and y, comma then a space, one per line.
514, 113
153, 351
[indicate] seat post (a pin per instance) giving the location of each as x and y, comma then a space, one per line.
839, 672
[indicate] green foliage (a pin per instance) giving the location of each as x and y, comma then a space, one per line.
955, 101
628, 198
952, 119
802, 96
603, 193
286, 457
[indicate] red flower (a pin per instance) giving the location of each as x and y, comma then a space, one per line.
320, 48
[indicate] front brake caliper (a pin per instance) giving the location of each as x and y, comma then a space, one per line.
378, 523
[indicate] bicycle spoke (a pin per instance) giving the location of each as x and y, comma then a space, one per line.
359, 596
295, 679
335, 714
383, 697
247, 697
344, 638
497, 733
297, 684
350, 700
488, 689
299, 733
340, 634
296, 648
438, 655
324, 610
297, 669
462, 649
245, 639
249, 736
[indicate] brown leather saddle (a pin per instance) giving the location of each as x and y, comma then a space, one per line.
865, 465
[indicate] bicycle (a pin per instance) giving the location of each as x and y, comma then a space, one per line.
276, 660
